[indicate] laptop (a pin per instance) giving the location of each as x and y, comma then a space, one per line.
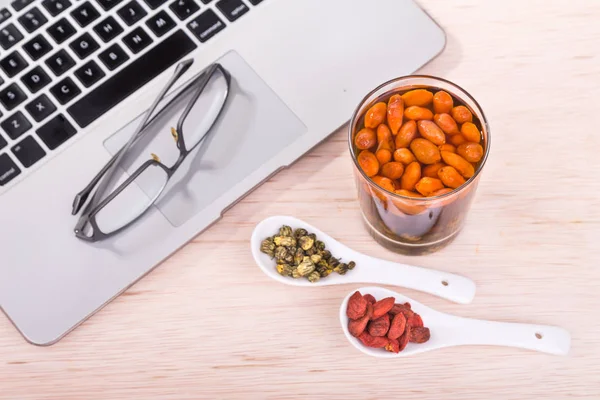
78, 78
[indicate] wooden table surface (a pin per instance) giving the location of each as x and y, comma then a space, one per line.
208, 324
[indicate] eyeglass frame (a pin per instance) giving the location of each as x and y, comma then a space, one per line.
89, 214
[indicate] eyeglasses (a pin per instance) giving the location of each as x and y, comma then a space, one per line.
120, 200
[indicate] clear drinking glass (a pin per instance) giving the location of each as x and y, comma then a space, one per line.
411, 225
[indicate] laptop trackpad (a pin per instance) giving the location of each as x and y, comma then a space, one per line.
254, 126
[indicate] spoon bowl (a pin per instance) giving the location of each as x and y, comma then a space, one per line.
368, 269
449, 330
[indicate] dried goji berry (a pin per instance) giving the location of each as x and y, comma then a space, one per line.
370, 298
382, 307
402, 308
397, 326
373, 341
357, 306
393, 346
379, 326
356, 327
403, 340
419, 334
415, 321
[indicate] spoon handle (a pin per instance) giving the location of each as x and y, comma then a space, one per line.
443, 284
542, 338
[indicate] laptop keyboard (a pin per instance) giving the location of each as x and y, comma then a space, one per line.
65, 63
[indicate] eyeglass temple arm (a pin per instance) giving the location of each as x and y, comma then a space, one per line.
81, 197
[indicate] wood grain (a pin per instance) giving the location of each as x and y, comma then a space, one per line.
208, 324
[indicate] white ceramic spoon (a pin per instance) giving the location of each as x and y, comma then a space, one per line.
449, 330
368, 269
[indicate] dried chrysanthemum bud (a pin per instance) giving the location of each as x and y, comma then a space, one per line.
298, 256
306, 242
341, 269
306, 267
322, 270
333, 262
281, 253
298, 233
285, 231
285, 269
268, 247
287, 241
325, 273
314, 276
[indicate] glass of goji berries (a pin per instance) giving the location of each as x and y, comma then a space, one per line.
419, 144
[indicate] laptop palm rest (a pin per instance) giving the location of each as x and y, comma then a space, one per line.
254, 126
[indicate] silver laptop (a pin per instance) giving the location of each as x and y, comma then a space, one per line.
180, 108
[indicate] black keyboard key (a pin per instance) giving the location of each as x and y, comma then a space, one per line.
9, 36
13, 64
206, 25
8, 169
40, 108
113, 56
184, 8
61, 31
206, 1
60, 62
255, 2
150, 64
4, 14
55, 7
132, 12
137, 40
35, 79
21, 4
3, 142
56, 131
89, 74
85, 14
37, 47
65, 90
108, 29
154, 4
84, 45
16, 125
108, 4
32, 19
161, 23
12, 96
232, 9
28, 151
